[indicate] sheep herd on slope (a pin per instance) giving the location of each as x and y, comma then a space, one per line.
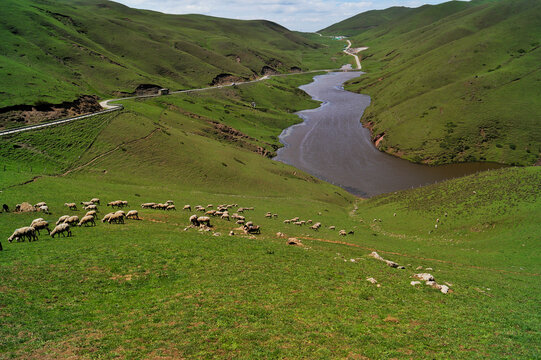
65, 223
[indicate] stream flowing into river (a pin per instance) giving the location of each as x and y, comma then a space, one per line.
332, 144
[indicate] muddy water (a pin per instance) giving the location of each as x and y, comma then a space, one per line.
332, 145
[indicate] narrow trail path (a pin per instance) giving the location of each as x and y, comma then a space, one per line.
353, 52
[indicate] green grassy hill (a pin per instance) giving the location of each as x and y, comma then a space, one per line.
452, 82
54, 51
149, 289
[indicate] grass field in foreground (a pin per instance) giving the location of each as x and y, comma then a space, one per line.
149, 289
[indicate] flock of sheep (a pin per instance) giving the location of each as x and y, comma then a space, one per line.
65, 223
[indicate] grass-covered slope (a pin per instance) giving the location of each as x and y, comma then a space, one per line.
54, 51
454, 82
149, 289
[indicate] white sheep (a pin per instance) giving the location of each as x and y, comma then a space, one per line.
170, 202
204, 220
342, 232
95, 201
40, 204
332, 227
22, 233
187, 207
72, 220
106, 217
87, 220
45, 209
91, 207
171, 207
62, 219
117, 218
86, 203
71, 206
148, 205
61, 229
40, 225
132, 214
193, 220
91, 213
225, 216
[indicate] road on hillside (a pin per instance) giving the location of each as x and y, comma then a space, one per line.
353, 52
105, 104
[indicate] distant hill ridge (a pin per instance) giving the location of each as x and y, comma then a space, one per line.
453, 82
56, 50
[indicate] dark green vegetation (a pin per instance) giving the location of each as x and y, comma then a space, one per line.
54, 51
148, 289
453, 82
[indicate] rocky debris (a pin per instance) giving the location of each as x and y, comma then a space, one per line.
430, 281
295, 69
226, 79
390, 263
147, 89
267, 70
33, 114
294, 241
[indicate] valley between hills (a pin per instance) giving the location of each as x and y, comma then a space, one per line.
277, 263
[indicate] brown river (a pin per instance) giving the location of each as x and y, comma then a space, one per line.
332, 145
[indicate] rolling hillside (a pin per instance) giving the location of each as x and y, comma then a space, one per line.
452, 82
150, 289
54, 51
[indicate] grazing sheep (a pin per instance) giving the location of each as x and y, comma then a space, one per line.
120, 212
72, 220
287, 221
147, 205
240, 221
275, 216
87, 220
342, 233
210, 212
86, 203
116, 218
316, 226
204, 220
298, 223
91, 207
193, 220
61, 229
240, 210
44, 208
295, 219
210, 205
253, 229
95, 201
309, 221
351, 232
332, 227
249, 223
170, 202
22, 233
91, 213
132, 214
225, 216
187, 207
106, 217
116, 203
62, 219
40, 204
268, 215
36, 221
171, 207
71, 206
40, 225
200, 208
123, 203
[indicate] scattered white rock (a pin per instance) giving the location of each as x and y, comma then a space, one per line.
419, 268
428, 269
424, 277
372, 280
